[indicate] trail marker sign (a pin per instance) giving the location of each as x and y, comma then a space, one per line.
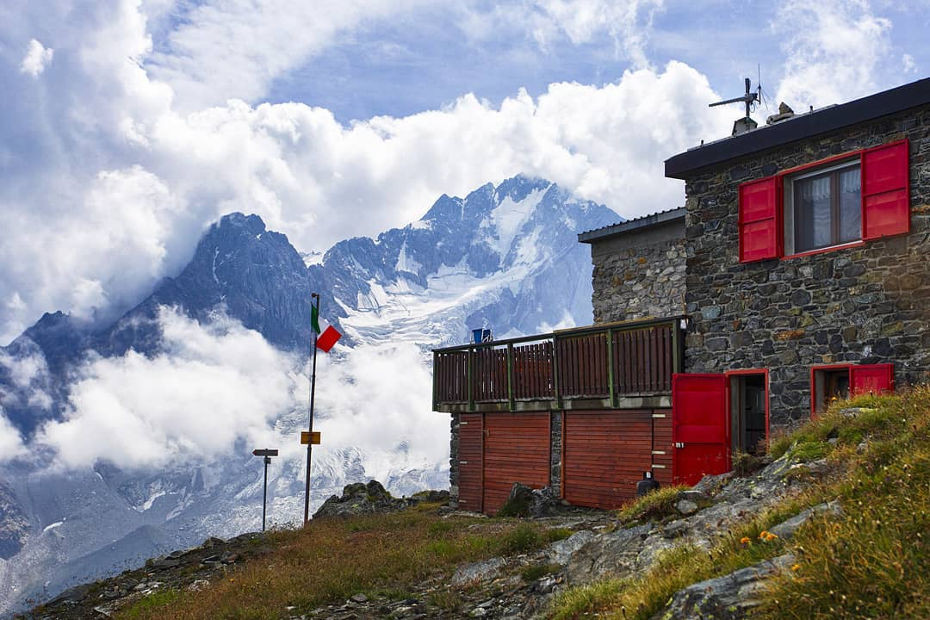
310, 437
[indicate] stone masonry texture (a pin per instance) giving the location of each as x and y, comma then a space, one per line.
861, 305
641, 278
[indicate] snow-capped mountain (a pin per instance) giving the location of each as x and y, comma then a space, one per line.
503, 257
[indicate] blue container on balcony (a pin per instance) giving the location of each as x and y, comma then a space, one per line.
476, 334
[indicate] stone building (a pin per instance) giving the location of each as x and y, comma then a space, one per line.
795, 273
807, 251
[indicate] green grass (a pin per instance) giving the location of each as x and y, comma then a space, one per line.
872, 561
653, 506
155, 603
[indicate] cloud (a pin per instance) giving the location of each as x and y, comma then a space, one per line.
376, 398
217, 385
36, 59
109, 185
835, 51
11, 444
627, 22
213, 385
224, 50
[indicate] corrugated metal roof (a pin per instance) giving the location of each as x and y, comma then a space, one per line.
638, 223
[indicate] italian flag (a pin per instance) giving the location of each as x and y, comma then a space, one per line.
328, 337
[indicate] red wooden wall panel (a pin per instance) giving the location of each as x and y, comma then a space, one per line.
662, 446
604, 455
516, 449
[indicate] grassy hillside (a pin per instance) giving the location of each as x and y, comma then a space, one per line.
868, 558
872, 560
383, 555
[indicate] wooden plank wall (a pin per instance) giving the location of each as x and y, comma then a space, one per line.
662, 442
604, 455
516, 449
643, 360
471, 470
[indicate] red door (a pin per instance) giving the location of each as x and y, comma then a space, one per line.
699, 426
871, 379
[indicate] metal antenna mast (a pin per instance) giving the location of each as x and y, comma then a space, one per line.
751, 97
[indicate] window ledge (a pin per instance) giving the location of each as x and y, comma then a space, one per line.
842, 246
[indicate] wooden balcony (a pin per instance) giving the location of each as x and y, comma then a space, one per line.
617, 365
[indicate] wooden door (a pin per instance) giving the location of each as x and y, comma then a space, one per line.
700, 431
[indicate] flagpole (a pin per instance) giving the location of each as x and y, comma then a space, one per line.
312, 391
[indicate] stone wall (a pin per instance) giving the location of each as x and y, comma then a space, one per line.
555, 451
867, 304
454, 461
639, 274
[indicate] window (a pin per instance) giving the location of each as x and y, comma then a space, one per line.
861, 197
830, 383
823, 208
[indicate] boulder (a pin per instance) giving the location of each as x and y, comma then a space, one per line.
524, 501
360, 499
728, 597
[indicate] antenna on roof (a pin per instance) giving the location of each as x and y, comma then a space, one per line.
744, 124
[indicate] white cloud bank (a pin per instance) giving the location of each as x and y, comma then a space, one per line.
36, 59
219, 385
214, 384
834, 50
116, 196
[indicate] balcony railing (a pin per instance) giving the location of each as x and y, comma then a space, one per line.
602, 363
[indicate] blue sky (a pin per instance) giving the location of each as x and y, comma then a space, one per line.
130, 125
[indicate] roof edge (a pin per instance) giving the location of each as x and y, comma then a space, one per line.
640, 223
800, 127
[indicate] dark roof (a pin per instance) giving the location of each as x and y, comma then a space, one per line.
800, 127
638, 223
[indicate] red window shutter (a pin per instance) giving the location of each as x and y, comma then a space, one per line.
885, 191
871, 379
760, 219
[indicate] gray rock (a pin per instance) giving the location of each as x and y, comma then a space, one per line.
561, 551
359, 499
358, 598
728, 597
786, 529
686, 507
478, 571
613, 553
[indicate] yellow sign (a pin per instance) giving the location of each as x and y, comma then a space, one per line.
308, 437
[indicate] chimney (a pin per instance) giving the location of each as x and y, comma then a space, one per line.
784, 113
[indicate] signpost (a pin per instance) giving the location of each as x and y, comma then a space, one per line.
267, 454
307, 437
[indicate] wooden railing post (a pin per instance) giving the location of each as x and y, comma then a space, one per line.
556, 392
470, 379
676, 347
435, 379
510, 398
610, 368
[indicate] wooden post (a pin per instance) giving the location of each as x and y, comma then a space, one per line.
555, 373
510, 399
435, 379
470, 378
676, 347
610, 368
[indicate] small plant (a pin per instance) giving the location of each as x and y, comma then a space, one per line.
536, 571
521, 539
655, 505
